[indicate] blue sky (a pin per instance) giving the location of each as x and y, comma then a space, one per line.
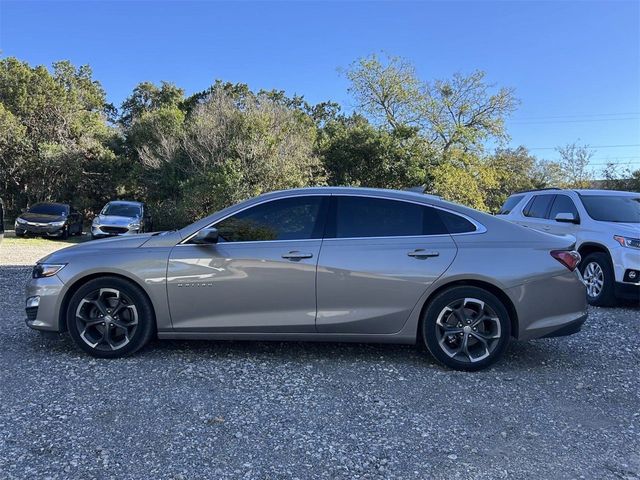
575, 65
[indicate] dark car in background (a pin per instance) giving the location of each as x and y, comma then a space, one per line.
49, 220
121, 217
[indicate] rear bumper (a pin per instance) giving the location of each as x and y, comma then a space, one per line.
569, 328
550, 306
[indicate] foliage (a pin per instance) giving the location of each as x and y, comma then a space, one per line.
460, 112
55, 137
187, 156
574, 162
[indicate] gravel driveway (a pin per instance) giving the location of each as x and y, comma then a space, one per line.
558, 408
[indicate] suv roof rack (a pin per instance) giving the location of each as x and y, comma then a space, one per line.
539, 190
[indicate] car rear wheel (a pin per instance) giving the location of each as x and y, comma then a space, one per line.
110, 317
599, 278
466, 328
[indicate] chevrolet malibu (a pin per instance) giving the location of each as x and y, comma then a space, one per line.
325, 264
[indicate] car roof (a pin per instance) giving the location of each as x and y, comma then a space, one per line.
51, 203
125, 202
357, 190
579, 191
588, 191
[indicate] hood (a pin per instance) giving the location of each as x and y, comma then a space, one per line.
627, 229
115, 220
95, 247
41, 218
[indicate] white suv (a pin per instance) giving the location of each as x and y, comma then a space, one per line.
606, 226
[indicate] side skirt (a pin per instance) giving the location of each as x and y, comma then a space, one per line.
300, 337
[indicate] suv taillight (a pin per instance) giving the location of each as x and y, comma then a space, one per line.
569, 258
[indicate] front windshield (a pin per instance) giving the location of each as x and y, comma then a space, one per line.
613, 208
121, 210
48, 209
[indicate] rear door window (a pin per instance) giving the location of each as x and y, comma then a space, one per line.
509, 204
538, 206
358, 217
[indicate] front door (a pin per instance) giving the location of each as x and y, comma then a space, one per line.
259, 277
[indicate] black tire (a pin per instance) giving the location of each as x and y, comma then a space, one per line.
139, 332
606, 296
65, 233
479, 354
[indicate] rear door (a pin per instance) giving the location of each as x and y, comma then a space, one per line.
378, 257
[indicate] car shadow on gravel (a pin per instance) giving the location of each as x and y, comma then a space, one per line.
520, 356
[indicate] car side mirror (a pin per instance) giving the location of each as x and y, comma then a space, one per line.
206, 236
566, 217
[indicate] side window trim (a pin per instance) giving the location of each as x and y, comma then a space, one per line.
330, 217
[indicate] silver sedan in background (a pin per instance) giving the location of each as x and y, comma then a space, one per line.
326, 264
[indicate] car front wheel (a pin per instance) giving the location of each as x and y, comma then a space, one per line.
110, 317
599, 278
466, 328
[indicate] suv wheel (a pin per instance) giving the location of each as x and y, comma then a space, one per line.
110, 317
597, 272
466, 328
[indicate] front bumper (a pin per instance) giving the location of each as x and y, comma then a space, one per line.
628, 291
103, 231
46, 315
39, 230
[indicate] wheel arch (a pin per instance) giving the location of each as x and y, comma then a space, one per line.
78, 283
588, 248
491, 288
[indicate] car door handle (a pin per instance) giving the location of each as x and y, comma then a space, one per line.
422, 253
295, 255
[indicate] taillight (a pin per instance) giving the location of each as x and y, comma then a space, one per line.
569, 259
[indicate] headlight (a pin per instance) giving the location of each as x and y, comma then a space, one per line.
46, 269
627, 241
58, 224
20, 221
96, 221
134, 225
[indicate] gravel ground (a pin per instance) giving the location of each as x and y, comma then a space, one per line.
557, 408
27, 251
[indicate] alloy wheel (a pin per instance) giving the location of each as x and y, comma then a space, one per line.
468, 330
106, 319
594, 279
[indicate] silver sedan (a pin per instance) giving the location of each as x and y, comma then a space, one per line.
326, 264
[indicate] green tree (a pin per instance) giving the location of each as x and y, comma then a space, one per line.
59, 121
461, 112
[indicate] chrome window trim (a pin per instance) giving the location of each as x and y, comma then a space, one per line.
480, 228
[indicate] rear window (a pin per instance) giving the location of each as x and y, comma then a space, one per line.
538, 206
510, 204
456, 223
